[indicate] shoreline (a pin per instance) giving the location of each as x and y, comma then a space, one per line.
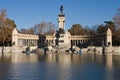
90, 50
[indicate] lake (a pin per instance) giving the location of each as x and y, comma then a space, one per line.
59, 67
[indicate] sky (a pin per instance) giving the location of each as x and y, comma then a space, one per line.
27, 13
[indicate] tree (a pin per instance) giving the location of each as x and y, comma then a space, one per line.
77, 29
103, 27
116, 19
3, 27
40, 27
111, 25
6, 27
10, 26
44, 28
116, 38
51, 28
27, 31
89, 30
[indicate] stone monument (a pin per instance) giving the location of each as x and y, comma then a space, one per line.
109, 38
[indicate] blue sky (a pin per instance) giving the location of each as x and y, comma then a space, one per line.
27, 13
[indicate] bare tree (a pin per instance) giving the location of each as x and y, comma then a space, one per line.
3, 28
44, 28
6, 27
27, 31
51, 28
40, 28
116, 19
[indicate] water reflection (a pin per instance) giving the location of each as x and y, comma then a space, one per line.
109, 67
18, 57
15, 58
59, 67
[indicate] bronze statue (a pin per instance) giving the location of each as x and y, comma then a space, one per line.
61, 8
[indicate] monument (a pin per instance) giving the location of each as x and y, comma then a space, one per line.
62, 36
109, 38
61, 19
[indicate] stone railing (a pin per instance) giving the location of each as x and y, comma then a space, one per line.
29, 36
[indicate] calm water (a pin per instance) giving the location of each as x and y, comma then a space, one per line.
59, 67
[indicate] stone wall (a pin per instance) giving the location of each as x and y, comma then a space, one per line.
16, 49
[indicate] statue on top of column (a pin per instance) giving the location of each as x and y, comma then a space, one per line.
61, 9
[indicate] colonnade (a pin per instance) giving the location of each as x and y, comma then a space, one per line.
19, 39
78, 42
27, 42
49, 42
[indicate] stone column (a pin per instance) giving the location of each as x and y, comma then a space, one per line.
35, 42
27, 42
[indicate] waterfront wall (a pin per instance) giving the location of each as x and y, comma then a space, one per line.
99, 50
116, 50
93, 49
90, 50
19, 49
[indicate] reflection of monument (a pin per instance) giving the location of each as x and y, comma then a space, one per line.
109, 60
109, 66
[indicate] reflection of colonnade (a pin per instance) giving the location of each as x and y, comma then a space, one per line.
24, 39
